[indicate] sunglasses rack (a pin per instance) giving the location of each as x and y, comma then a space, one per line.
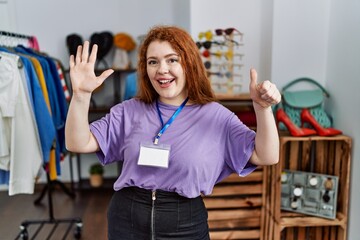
309, 193
221, 51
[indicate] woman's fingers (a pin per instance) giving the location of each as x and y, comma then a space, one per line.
78, 55
269, 93
105, 75
272, 95
82, 58
72, 61
93, 54
264, 93
85, 52
82, 69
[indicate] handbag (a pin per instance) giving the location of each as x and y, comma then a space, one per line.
294, 101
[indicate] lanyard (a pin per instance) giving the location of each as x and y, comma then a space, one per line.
169, 122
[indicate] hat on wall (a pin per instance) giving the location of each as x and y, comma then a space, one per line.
104, 40
124, 41
72, 42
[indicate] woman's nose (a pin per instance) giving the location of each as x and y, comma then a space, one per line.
163, 68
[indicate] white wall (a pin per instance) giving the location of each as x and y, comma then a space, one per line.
52, 21
343, 82
8, 17
300, 38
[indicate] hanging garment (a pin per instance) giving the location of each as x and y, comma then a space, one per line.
25, 153
42, 81
9, 90
44, 125
43, 88
57, 101
61, 71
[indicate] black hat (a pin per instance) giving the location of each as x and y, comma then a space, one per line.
72, 42
104, 40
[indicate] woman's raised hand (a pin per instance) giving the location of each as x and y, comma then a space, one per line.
265, 93
82, 70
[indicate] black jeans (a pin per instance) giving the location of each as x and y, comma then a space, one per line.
133, 214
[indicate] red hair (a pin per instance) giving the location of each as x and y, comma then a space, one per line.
197, 83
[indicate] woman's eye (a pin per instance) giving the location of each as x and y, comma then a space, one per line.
151, 62
173, 60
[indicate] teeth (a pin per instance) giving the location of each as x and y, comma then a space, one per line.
164, 81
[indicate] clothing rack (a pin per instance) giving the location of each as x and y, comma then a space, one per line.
49, 184
15, 35
10, 36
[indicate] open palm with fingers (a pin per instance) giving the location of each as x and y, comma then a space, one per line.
265, 93
82, 74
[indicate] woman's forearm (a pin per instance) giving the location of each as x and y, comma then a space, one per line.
78, 137
267, 137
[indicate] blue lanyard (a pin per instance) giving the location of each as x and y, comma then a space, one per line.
169, 122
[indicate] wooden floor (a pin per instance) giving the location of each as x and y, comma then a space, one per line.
88, 205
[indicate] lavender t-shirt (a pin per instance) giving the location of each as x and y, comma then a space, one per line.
208, 143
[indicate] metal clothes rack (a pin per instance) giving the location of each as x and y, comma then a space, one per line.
15, 35
9, 38
24, 235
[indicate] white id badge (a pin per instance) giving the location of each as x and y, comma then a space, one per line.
154, 155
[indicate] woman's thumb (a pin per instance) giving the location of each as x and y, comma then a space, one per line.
105, 74
253, 78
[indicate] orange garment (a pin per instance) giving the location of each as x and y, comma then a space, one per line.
39, 72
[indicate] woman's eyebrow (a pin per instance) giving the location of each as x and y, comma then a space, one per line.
166, 56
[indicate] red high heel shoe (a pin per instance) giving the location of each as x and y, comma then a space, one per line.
294, 130
307, 117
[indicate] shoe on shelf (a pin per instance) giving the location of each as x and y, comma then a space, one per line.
294, 130
306, 116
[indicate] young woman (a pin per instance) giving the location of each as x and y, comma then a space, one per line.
175, 141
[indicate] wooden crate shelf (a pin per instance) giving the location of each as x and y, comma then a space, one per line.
323, 155
235, 207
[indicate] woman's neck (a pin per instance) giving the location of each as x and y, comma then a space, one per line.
174, 102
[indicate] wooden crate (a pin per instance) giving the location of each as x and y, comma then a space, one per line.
323, 155
235, 207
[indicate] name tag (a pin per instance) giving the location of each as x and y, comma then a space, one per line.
154, 155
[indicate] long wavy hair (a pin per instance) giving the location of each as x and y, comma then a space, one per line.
197, 83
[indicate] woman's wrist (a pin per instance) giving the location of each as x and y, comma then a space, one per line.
259, 108
81, 96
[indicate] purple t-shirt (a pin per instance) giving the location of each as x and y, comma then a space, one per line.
208, 143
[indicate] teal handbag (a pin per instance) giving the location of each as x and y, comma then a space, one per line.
294, 101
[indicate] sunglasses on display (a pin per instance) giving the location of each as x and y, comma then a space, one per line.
207, 44
231, 42
226, 84
208, 35
228, 31
224, 65
221, 74
228, 54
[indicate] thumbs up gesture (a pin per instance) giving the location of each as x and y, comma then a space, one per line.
265, 94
